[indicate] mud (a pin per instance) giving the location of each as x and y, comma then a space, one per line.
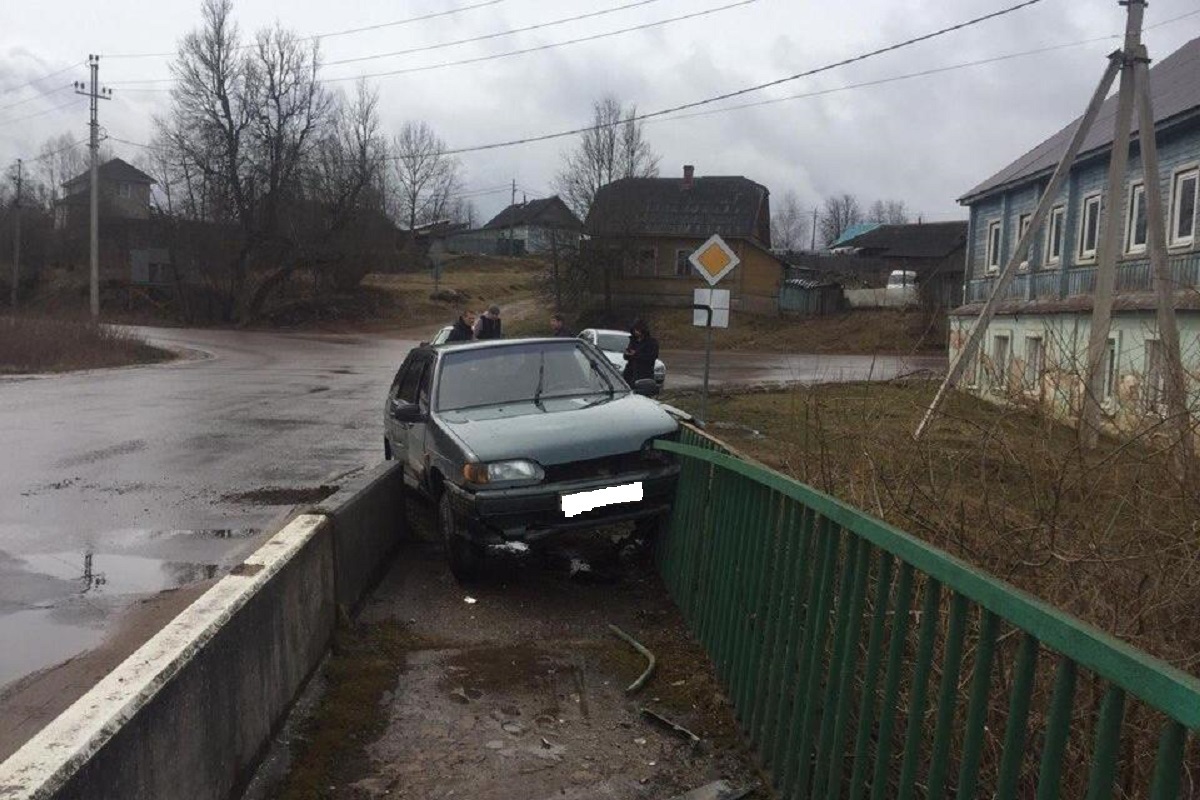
520, 693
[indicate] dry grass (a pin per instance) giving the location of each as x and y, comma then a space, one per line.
30, 344
883, 331
1109, 535
510, 283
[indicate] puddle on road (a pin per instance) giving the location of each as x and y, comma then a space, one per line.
111, 574
206, 533
47, 636
281, 496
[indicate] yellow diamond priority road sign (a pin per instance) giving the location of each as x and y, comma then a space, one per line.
714, 260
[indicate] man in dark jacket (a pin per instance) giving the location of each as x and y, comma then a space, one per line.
464, 328
488, 326
641, 354
558, 326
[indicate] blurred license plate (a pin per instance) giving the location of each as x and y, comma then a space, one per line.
580, 502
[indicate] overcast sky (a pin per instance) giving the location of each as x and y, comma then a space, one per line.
924, 140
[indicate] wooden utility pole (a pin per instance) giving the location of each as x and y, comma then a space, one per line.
16, 265
1020, 252
1164, 285
95, 94
1110, 236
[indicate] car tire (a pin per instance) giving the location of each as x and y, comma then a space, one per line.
464, 556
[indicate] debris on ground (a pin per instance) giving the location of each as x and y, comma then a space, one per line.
671, 725
651, 662
470, 600
717, 790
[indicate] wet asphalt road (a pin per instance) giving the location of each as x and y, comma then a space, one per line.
117, 484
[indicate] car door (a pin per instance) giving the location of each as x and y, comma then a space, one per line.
404, 391
415, 433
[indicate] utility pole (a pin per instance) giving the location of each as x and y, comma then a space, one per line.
95, 94
16, 268
512, 203
814, 230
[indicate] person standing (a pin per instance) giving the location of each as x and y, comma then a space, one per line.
464, 328
641, 353
488, 325
558, 327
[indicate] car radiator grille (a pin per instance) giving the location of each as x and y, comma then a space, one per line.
596, 467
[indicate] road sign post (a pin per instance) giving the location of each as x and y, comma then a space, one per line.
713, 260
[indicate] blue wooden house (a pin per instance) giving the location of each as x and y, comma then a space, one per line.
1035, 347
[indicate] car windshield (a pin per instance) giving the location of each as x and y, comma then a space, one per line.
612, 342
513, 374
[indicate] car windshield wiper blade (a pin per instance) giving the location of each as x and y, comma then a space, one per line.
537, 395
596, 368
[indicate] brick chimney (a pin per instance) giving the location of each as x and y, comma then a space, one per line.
688, 175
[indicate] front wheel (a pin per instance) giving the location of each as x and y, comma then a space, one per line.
464, 556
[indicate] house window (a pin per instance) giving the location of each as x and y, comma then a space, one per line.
1089, 228
1110, 371
1154, 383
1023, 226
125, 189
1054, 235
683, 267
992, 262
1035, 362
643, 262
1135, 226
1183, 206
1000, 352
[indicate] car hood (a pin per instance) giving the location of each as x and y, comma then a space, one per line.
561, 430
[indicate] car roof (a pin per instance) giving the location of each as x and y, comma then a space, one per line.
609, 330
499, 343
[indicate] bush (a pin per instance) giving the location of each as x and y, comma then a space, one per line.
46, 344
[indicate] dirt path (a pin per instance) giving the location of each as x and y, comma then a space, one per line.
520, 693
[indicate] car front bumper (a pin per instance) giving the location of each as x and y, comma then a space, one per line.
529, 513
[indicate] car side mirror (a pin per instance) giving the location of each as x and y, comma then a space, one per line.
406, 412
647, 387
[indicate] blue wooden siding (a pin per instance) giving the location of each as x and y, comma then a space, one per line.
1177, 148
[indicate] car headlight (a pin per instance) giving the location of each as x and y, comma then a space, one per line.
504, 472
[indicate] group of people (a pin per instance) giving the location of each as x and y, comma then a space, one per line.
640, 355
471, 326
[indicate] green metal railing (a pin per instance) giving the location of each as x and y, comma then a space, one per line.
863, 662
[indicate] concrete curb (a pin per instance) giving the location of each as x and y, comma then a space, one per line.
189, 714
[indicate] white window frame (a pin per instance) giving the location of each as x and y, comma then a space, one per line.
1023, 221
1000, 376
991, 261
1035, 384
1112, 371
1154, 398
1178, 177
1136, 202
1055, 223
1085, 255
687, 271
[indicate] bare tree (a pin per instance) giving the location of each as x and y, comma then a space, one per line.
60, 159
426, 179
614, 147
837, 214
888, 212
789, 224
244, 120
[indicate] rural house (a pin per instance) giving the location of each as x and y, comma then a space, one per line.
934, 252
536, 226
642, 231
1037, 343
124, 194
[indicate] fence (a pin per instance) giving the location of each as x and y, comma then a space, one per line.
780, 583
1131, 276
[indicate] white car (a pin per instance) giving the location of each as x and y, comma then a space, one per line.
613, 344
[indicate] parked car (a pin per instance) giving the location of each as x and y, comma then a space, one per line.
516, 439
614, 344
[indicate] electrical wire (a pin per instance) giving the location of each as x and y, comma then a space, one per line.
506, 54
62, 107
346, 32
496, 35
44, 77
35, 97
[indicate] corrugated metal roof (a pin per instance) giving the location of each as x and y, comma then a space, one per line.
924, 240
1174, 90
855, 230
728, 206
548, 211
810, 283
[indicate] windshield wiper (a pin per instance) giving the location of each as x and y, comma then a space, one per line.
596, 368
537, 395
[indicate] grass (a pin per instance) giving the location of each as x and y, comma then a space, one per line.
883, 331
1107, 534
473, 282
34, 344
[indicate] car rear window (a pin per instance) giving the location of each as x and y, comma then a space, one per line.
510, 374
613, 342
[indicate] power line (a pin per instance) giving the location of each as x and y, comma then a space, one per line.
497, 35
68, 104
35, 97
67, 68
508, 53
749, 89
346, 32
